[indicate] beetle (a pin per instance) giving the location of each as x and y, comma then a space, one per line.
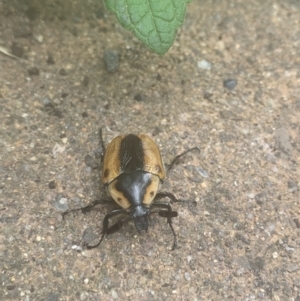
132, 173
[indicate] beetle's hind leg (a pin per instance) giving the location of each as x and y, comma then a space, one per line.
175, 160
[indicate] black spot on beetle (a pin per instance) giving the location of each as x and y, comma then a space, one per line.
152, 193
106, 173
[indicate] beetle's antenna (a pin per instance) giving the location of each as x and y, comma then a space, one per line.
169, 166
102, 142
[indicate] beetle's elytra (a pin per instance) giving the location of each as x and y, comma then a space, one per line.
132, 172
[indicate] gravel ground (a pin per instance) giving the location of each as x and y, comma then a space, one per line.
230, 85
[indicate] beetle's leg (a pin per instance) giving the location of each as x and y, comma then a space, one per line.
105, 224
102, 143
86, 208
169, 214
117, 226
169, 166
169, 195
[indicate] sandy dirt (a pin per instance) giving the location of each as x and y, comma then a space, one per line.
238, 225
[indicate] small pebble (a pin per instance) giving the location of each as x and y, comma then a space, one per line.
62, 72
289, 249
292, 186
230, 84
249, 216
239, 272
52, 184
292, 267
130, 283
46, 102
205, 65
61, 205
207, 95
202, 172
90, 161
76, 248
10, 287
17, 50
86, 81
261, 295
89, 237
50, 60
187, 276
114, 294
138, 97
111, 58
57, 149
39, 38
34, 71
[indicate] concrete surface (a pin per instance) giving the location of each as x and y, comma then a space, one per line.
238, 227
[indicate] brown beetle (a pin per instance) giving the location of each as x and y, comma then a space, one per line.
132, 172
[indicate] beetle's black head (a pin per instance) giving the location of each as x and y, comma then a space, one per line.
141, 223
140, 217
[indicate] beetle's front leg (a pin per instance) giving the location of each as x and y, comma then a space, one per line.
85, 209
168, 214
169, 195
105, 228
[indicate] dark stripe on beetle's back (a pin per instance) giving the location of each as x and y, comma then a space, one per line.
131, 153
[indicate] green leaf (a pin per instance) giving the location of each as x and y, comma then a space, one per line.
154, 22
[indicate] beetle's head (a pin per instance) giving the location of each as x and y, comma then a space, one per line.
140, 217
